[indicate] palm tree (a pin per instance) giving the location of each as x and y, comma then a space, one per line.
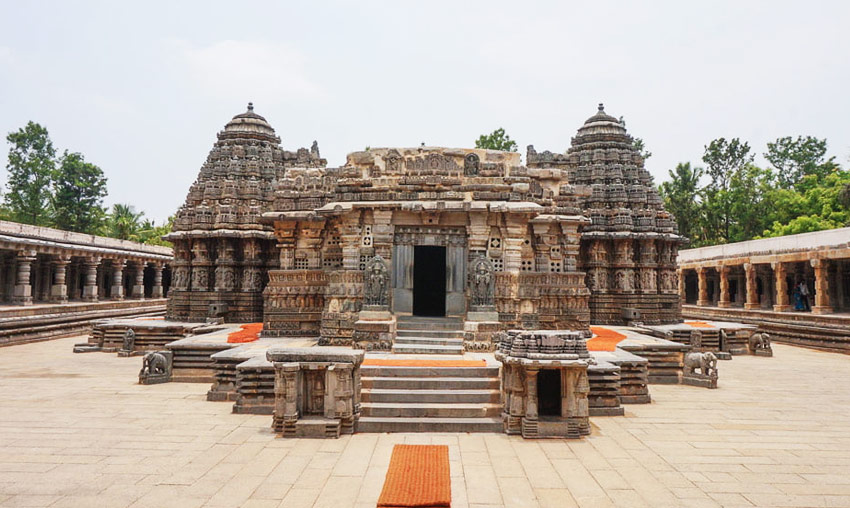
125, 222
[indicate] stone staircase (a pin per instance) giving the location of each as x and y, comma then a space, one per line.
430, 399
433, 336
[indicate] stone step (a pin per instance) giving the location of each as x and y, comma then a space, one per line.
395, 371
430, 383
439, 341
453, 334
433, 410
428, 396
428, 324
379, 424
427, 349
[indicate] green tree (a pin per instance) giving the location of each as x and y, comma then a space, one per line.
78, 191
124, 222
796, 158
814, 205
723, 159
681, 197
751, 198
496, 140
31, 167
637, 144
152, 234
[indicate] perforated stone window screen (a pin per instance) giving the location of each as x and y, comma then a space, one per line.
498, 264
526, 265
555, 266
332, 261
363, 261
367, 236
301, 264
334, 240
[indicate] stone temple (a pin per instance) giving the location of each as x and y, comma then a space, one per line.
342, 253
315, 293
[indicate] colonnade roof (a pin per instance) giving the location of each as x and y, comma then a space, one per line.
818, 241
28, 236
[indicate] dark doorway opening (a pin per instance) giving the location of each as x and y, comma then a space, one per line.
549, 392
429, 281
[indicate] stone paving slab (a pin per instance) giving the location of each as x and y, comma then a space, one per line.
75, 430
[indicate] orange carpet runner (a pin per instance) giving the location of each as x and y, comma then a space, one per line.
388, 362
605, 339
246, 333
418, 476
699, 324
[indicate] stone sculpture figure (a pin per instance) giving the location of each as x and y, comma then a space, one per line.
760, 344
705, 362
377, 282
482, 282
470, 165
696, 339
129, 340
156, 368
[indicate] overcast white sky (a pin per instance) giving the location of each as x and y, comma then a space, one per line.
141, 88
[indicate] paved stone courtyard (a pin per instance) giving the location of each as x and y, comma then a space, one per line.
75, 430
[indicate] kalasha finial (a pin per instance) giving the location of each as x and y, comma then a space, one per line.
601, 107
251, 106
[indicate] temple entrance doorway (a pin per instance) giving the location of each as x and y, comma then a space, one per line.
429, 280
549, 392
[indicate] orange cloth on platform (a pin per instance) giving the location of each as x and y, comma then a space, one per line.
418, 476
605, 339
247, 333
699, 324
424, 363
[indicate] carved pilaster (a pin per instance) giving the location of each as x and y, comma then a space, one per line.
23, 289
821, 287
780, 272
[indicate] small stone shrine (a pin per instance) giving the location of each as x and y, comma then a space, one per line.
317, 390
544, 383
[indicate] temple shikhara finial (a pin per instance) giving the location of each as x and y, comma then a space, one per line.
251, 106
601, 107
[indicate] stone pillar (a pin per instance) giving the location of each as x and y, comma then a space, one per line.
752, 293
682, 289
90, 283
156, 291
531, 404
138, 291
702, 299
725, 300
821, 287
118, 279
23, 289
780, 272
59, 289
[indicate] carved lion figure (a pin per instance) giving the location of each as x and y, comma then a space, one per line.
705, 362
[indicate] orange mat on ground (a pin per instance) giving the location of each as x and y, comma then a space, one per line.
699, 324
605, 339
423, 363
247, 333
418, 476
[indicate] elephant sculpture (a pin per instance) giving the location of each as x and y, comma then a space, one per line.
156, 368
759, 341
705, 362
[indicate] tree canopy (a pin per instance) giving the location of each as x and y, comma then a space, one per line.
801, 191
31, 166
66, 193
496, 140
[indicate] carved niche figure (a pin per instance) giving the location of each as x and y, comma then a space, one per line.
129, 340
377, 282
200, 279
393, 161
482, 282
696, 339
181, 278
470, 164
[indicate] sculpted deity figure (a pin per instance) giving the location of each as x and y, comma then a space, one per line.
482, 280
377, 282
129, 340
